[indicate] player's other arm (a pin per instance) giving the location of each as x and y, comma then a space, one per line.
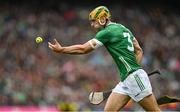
138, 51
74, 49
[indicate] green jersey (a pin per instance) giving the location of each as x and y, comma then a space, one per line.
119, 42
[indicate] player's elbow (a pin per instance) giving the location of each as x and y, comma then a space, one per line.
141, 51
83, 50
138, 50
86, 51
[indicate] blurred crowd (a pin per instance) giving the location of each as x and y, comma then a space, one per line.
31, 74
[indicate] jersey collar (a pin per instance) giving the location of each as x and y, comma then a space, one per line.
110, 23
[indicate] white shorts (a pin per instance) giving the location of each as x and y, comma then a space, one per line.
136, 85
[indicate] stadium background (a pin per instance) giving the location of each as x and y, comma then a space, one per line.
33, 76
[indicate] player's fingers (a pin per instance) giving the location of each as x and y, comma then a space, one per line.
56, 42
50, 47
50, 44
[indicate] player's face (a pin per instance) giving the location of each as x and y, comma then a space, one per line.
95, 24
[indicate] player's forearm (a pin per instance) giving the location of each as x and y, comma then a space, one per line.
74, 49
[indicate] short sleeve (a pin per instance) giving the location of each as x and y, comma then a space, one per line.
102, 36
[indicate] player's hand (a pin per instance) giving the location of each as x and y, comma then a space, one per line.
56, 47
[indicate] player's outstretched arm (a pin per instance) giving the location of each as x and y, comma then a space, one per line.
74, 49
138, 51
